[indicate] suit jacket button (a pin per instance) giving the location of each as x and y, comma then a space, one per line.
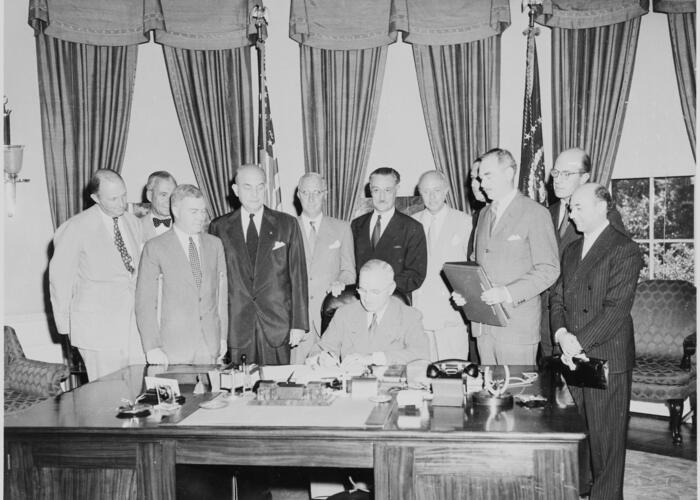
585, 310
486, 251
590, 288
253, 299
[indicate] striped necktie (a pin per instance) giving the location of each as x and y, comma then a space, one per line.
194, 263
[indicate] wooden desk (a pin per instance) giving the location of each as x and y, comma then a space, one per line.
74, 446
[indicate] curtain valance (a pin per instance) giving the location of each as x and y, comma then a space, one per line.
362, 24
580, 14
200, 25
674, 6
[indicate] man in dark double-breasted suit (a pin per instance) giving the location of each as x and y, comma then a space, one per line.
590, 314
387, 234
267, 282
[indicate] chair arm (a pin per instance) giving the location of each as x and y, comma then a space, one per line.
688, 351
37, 378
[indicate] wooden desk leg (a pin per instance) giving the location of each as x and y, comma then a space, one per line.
155, 470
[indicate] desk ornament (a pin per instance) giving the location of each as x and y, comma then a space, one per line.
494, 394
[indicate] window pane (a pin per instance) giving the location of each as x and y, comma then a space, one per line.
632, 199
674, 261
673, 207
644, 273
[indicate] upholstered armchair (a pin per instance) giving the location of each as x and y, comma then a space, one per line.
28, 381
664, 333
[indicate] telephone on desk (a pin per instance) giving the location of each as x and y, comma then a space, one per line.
452, 368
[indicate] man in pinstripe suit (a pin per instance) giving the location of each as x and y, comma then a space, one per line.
590, 315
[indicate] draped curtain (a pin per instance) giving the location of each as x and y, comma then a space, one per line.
681, 26
213, 99
340, 92
592, 65
85, 95
459, 88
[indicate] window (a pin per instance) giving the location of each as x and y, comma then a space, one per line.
658, 213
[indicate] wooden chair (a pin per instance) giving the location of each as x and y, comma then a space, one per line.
664, 314
28, 381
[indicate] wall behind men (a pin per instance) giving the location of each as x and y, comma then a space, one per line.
654, 140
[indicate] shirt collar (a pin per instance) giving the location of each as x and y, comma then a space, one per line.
306, 219
591, 237
386, 216
503, 203
184, 237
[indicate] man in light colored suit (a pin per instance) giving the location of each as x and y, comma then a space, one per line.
447, 234
267, 282
184, 271
590, 315
330, 259
516, 246
159, 187
92, 278
378, 330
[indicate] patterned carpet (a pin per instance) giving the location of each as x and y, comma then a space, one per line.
650, 476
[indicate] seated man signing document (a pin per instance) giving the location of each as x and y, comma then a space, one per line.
377, 330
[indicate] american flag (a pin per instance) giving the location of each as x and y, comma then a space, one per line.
266, 156
532, 176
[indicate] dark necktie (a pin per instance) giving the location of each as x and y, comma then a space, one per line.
194, 263
251, 240
119, 242
157, 222
377, 231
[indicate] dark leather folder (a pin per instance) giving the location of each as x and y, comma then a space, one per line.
592, 373
470, 281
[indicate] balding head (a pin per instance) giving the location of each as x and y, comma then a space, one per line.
589, 207
376, 284
572, 169
107, 189
249, 186
433, 188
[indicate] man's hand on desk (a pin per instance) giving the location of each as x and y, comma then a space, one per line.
156, 357
295, 336
496, 295
324, 358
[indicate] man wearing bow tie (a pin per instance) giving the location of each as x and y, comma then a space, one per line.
184, 272
159, 187
267, 283
92, 278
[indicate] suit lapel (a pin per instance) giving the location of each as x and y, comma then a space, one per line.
363, 232
601, 247
387, 239
305, 239
508, 218
323, 235
266, 241
234, 234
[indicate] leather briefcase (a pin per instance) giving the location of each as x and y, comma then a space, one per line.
592, 373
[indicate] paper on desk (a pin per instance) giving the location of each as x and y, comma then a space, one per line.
343, 412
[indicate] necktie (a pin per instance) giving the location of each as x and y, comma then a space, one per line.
432, 235
194, 263
494, 210
373, 325
251, 240
312, 237
157, 222
565, 220
119, 242
377, 231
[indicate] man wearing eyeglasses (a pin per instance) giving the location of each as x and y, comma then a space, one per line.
330, 261
377, 330
572, 169
389, 235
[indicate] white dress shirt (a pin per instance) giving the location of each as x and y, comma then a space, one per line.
245, 219
386, 217
305, 221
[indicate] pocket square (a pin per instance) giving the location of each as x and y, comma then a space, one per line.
334, 245
514, 237
278, 244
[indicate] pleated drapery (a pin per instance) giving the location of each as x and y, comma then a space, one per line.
682, 29
459, 88
591, 75
213, 99
85, 95
340, 92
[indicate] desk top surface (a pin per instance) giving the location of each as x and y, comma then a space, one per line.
92, 408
